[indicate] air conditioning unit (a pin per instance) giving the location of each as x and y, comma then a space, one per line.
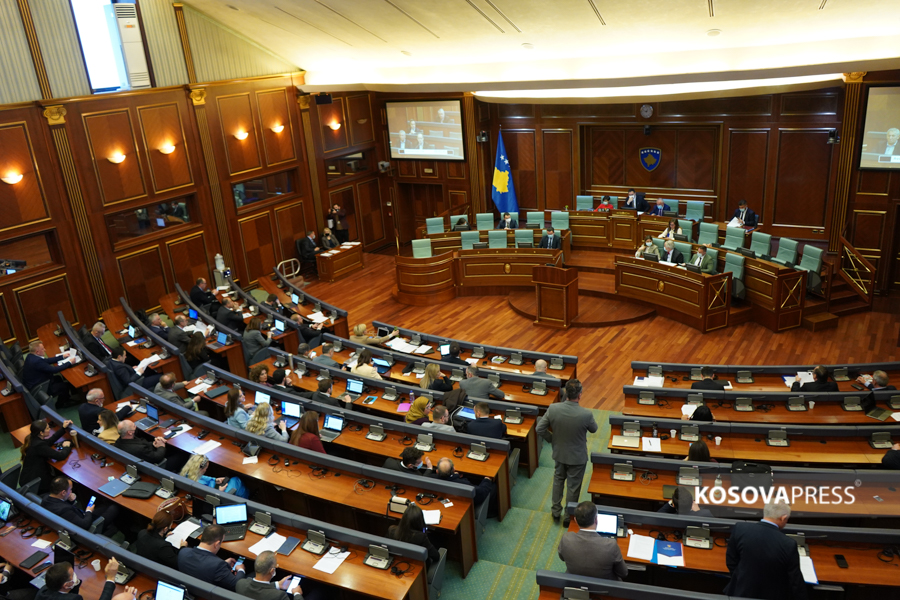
125, 31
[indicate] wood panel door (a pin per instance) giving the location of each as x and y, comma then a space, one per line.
371, 215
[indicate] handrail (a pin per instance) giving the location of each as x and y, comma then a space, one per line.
857, 271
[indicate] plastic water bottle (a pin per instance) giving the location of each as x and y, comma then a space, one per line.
718, 482
412, 398
655, 430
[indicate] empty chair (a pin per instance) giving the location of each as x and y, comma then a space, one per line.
734, 238
787, 252
694, 210
559, 220
811, 262
709, 234
421, 248
659, 244
761, 243
435, 225
685, 250
687, 228
584, 203
525, 236
497, 238
614, 200
673, 205
734, 264
536, 218
484, 221
468, 238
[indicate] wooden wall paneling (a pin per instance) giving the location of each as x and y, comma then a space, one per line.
893, 251
143, 277
372, 226
605, 157
587, 111
406, 168
868, 229
347, 200
108, 133
559, 168
359, 117
258, 246
521, 151
24, 202
802, 178
516, 111
824, 102
188, 259
235, 116
663, 176
333, 113
873, 183
273, 113
6, 329
457, 198
748, 106
291, 224
747, 170
696, 158
161, 126
429, 169
457, 170
39, 302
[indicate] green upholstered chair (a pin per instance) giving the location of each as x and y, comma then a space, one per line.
536, 218
497, 238
584, 203
673, 205
761, 243
468, 238
614, 200
734, 238
421, 248
685, 250
787, 252
687, 228
484, 221
435, 225
456, 218
694, 210
734, 264
811, 262
559, 220
524, 236
715, 257
659, 244
709, 233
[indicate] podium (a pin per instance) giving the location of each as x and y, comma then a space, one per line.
556, 289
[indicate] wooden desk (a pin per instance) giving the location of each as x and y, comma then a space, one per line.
339, 326
696, 299
762, 382
615, 228
349, 258
74, 375
289, 339
452, 240
115, 321
232, 353
14, 410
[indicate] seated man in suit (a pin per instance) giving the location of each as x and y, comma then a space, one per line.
440, 420
659, 208
703, 260
550, 240
323, 396
61, 583
410, 462
126, 374
312, 333
261, 587
89, 410
709, 381
446, 472
443, 118
201, 296
891, 458
327, 357
453, 357
94, 343
889, 145
876, 381
588, 553
61, 502
230, 315
484, 425
152, 452
166, 388
177, 336
158, 327
39, 368
540, 369
635, 202
479, 387
763, 561
402, 145
201, 562
671, 253
507, 222
821, 383
746, 216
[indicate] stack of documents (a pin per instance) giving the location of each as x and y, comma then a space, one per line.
422, 349
270, 543
317, 317
661, 552
805, 377
401, 346
331, 560
649, 381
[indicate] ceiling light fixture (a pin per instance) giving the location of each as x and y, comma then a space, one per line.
167, 148
12, 178
278, 128
713, 32
241, 135
335, 126
116, 158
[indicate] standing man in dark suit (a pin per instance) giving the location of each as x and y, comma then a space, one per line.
763, 561
339, 216
157, 326
230, 315
308, 248
587, 552
201, 296
671, 253
566, 425
478, 387
709, 381
261, 587
507, 222
201, 562
821, 383
484, 425
746, 216
550, 240
39, 368
177, 336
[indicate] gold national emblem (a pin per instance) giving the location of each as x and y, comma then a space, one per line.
506, 268
660, 286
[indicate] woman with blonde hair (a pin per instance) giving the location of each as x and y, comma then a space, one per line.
364, 366
263, 423
109, 426
328, 239
434, 380
360, 335
195, 469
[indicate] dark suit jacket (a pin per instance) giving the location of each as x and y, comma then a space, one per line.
37, 370
156, 548
340, 218
891, 459
482, 490
324, 398
640, 203
709, 384
202, 298
230, 318
659, 212
35, 464
68, 511
162, 332
258, 590
394, 464
88, 415
142, 449
764, 563
94, 346
179, 338
751, 219
550, 243
487, 427
815, 386
208, 567
109, 589
124, 373
512, 224
677, 257
307, 250
590, 554
455, 360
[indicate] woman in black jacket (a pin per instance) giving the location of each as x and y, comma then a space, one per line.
411, 529
38, 447
151, 542
433, 380
195, 353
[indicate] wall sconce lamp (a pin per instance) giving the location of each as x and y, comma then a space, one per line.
167, 149
116, 158
241, 135
12, 178
334, 125
278, 128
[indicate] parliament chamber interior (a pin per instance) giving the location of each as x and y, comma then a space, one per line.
413, 300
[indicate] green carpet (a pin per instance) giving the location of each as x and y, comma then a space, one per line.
525, 541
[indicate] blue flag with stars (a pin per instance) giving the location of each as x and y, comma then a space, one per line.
502, 191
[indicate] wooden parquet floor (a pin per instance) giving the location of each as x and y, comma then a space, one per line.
605, 355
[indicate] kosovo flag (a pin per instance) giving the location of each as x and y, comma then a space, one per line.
502, 191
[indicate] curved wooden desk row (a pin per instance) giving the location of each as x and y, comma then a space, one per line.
452, 240
765, 375
74, 375
13, 406
652, 474
553, 584
859, 545
488, 271
281, 287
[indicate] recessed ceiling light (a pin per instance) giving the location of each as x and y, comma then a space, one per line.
406, 53
713, 32
528, 46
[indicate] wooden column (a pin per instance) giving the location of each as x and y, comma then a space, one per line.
304, 104
852, 94
185, 43
476, 174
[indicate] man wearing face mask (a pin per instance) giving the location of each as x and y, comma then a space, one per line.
648, 247
635, 202
60, 581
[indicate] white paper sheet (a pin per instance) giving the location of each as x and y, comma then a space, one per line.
251, 460
317, 317
199, 389
649, 381
728, 386
735, 222
472, 361
207, 447
808, 570
895, 416
270, 543
688, 409
432, 517
41, 543
181, 533
670, 561
641, 547
651, 444
331, 560
423, 349
805, 377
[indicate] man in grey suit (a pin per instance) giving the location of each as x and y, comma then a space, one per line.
326, 357
566, 425
177, 336
166, 389
262, 587
479, 387
587, 552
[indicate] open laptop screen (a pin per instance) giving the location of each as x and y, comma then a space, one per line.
153, 412
192, 314
233, 513
608, 524
381, 362
279, 325
4, 510
290, 409
295, 298
222, 338
445, 349
167, 591
260, 397
334, 422
355, 386
466, 412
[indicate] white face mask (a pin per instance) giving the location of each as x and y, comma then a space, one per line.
649, 244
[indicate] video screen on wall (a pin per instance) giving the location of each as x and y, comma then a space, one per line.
881, 131
429, 129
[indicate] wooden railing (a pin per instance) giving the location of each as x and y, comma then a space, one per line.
857, 271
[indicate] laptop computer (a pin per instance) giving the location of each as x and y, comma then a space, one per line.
445, 349
128, 336
279, 325
221, 340
233, 518
290, 412
381, 365
260, 397
295, 300
872, 411
334, 424
167, 591
355, 388
607, 525
465, 412
192, 316
623, 441
692, 268
151, 420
